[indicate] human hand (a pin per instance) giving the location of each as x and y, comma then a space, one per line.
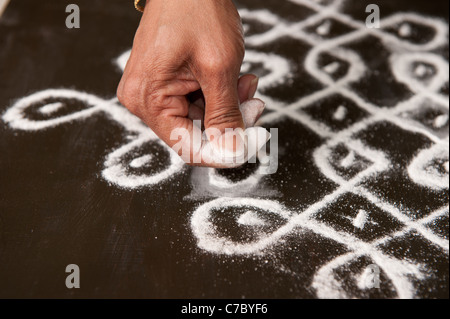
180, 48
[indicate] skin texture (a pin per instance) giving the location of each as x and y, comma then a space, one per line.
180, 48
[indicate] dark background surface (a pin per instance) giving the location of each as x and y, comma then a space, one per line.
55, 208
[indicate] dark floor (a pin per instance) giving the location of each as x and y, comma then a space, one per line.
362, 180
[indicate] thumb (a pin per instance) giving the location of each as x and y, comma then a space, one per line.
223, 115
222, 105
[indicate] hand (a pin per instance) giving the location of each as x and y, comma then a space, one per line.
182, 47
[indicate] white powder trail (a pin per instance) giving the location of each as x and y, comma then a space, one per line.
17, 118
324, 282
422, 170
118, 173
278, 68
204, 229
405, 289
416, 225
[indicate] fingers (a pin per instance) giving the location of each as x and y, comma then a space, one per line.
251, 109
169, 119
224, 124
247, 86
222, 102
197, 107
177, 120
246, 89
196, 113
179, 127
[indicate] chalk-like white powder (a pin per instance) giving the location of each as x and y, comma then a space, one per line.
405, 30
360, 219
422, 170
421, 70
365, 279
203, 227
332, 67
51, 108
340, 114
440, 121
250, 218
348, 160
324, 28
405, 55
141, 161
326, 285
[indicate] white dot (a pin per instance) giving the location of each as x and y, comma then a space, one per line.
405, 30
141, 161
440, 121
341, 113
250, 218
50, 108
324, 28
348, 160
331, 68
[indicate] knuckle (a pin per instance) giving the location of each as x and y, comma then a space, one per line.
219, 63
214, 65
156, 100
129, 93
140, 95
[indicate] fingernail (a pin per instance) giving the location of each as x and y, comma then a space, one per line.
253, 88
